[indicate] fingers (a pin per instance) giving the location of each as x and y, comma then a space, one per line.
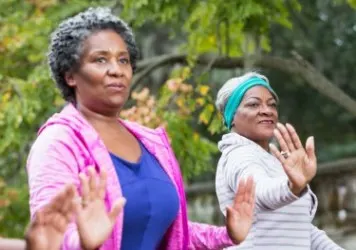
84, 182
38, 218
116, 209
249, 188
253, 197
274, 150
229, 213
77, 203
310, 148
61, 202
67, 206
286, 138
102, 184
92, 184
240, 194
295, 138
282, 143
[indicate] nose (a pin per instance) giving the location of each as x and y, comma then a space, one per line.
266, 110
115, 69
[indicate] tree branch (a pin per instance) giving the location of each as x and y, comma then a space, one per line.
297, 66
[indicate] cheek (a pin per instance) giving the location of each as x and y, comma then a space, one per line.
275, 113
244, 115
129, 74
92, 75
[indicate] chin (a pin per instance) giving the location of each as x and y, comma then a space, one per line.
117, 102
266, 135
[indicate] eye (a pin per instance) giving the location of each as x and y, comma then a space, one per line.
274, 105
100, 59
253, 105
124, 60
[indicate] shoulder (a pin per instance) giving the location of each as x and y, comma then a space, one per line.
134, 126
247, 153
55, 143
156, 135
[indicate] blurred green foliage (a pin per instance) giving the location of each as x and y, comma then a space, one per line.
28, 96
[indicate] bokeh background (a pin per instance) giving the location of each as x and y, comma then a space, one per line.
189, 48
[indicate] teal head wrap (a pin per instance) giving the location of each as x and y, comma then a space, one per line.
237, 95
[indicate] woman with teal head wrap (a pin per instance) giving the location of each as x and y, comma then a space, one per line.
249, 106
284, 204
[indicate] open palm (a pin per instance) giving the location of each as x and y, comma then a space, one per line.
239, 216
300, 165
47, 229
94, 222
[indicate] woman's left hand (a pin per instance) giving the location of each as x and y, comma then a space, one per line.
239, 216
94, 222
299, 163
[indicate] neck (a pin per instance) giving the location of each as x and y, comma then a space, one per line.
262, 143
98, 117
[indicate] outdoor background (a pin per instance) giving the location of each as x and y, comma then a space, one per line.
189, 48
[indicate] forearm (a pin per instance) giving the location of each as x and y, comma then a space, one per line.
204, 236
320, 241
273, 193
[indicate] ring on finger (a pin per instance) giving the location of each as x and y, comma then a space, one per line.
285, 154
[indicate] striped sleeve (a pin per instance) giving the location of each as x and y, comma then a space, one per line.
320, 241
271, 193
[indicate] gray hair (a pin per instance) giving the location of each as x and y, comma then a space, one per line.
67, 41
230, 85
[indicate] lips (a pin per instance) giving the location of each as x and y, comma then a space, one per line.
266, 122
116, 86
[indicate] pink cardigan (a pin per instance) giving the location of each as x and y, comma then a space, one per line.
67, 144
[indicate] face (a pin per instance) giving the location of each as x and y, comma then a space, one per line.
102, 80
257, 115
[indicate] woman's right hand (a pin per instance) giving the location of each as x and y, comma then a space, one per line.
94, 223
299, 164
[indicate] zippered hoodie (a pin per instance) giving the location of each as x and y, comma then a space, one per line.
67, 144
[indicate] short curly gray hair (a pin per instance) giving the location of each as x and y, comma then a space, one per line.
67, 40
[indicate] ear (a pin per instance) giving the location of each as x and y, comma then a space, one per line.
69, 77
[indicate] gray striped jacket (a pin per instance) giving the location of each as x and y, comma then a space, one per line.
282, 220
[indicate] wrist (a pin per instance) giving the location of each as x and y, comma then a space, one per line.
294, 189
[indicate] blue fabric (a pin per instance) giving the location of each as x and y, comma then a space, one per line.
236, 97
152, 201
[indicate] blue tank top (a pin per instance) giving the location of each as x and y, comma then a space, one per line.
152, 201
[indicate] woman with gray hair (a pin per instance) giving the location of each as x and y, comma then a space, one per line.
92, 59
285, 205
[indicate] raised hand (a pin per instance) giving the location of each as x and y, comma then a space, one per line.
299, 164
50, 223
239, 216
94, 222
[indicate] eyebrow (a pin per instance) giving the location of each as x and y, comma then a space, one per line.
106, 52
255, 97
